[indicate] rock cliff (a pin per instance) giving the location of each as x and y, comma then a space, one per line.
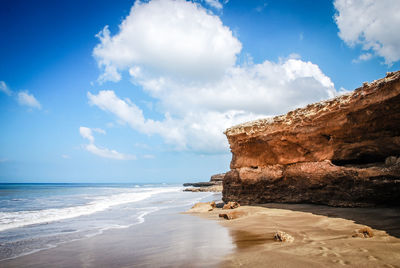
340, 152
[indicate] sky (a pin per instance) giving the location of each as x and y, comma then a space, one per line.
141, 91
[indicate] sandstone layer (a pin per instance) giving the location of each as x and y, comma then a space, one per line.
340, 152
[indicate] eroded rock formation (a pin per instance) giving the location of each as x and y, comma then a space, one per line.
214, 185
332, 152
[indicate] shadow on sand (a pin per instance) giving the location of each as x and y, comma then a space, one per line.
386, 219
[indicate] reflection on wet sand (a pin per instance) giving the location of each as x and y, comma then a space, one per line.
244, 239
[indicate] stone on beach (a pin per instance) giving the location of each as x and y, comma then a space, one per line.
283, 237
202, 207
232, 215
365, 232
231, 205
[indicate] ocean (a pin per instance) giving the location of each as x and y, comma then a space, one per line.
34, 217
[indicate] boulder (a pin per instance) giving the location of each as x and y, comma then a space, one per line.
280, 236
231, 205
202, 207
365, 232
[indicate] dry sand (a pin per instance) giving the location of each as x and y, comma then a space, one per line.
322, 236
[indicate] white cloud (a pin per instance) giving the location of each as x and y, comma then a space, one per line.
372, 24
99, 130
4, 88
363, 57
170, 37
197, 111
107, 153
102, 152
86, 133
149, 156
26, 99
196, 115
214, 3
65, 156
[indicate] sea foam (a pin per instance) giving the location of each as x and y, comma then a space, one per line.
9, 220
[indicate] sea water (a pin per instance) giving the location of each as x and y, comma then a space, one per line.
40, 216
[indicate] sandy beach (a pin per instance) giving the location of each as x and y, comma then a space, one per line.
323, 236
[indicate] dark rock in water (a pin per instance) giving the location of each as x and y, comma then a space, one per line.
199, 184
214, 188
340, 152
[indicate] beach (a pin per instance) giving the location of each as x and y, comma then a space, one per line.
323, 236
164, 234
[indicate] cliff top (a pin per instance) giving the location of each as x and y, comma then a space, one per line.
312, 110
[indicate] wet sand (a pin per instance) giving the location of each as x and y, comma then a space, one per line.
322, 236
166, 239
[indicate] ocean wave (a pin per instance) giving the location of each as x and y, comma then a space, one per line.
10, 220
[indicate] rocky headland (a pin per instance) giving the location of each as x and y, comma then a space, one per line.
214, 185
340, 152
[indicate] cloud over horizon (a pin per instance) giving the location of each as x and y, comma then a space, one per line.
87, 133
186, 61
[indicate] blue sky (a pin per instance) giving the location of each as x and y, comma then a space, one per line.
147, 98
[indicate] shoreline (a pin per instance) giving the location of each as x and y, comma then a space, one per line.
166, 238
172, 237
323, 236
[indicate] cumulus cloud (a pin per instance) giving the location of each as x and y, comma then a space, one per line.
26, 99
196, 115
169, 37
102, 152
4, 88
372, 25
199, 99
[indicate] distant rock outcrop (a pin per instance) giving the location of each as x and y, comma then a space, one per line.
340, 152
214, 185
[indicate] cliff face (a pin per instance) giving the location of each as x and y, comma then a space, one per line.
332, 152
